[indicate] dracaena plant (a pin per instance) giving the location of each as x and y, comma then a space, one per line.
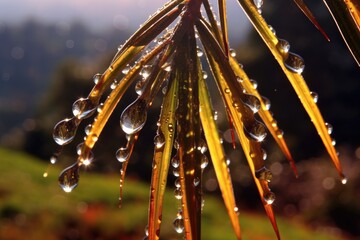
186, 32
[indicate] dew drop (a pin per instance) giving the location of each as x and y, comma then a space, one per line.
134, 116
227, 90
178, 193
69, 178
272, 29
232, 52
258, 3
284, 47
88, 129
205, 75
329, 127
264, 174
171, 127
204, 161
269, 198
257, 132
145, 71
96, 78
254, 83
79, 148
177, 183
179, 225
236, 210
200, 53
65, 130
53, 159
294, 63
114, 84
176, 172
266, 103
196, 181
159, 140
175, 161
139, 87
122, 154
344, 180
100, 107
252, 102
202, 147
126, 69
314, 96
83, 108
280, 133
333, 142
264, 154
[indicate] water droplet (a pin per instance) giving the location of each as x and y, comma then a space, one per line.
166, 67
264, 174
179, 225
333, 142
200, 53
284, 47
269, 198
205, 75
254, 83
96, 78
258, 3
159, 140
314, 96
45, 174
294, 63
145, 71
175, 161
79, 148
177, 183
204, 161
134, 116
88, 129
196, 181
147, 230
228, 161
236, 210
257, 132
176, 172
272, 29
83, 108
171, 127
266, 103
329, 127
344, 179
232, 52
252, 102
139, 87
53, 159
69, 178
178, 193
202, 147
122, 154
227, 90
65, 130
126, 69
280, 133
264, 154
239, 79
114, 84
216, 115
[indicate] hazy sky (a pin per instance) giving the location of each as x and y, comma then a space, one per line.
97, 14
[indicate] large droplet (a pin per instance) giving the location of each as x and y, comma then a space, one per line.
294, 63
284, 47
269, 198
134, 116
159, 140
65, 130
179, 225
69, 178
122, 154
83, 108
145, 71
178, 193
175, 162
252, 102
256, 132
258, 3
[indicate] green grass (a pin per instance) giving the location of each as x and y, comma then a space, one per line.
34, 207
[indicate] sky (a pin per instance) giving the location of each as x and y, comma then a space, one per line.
121, 14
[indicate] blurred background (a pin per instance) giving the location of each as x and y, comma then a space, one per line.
49, 51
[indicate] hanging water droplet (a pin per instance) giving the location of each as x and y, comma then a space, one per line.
314, 96
266, 103
269, 198
176, 172
177, 183
329, 127
228, 161
65, 130
294, 63
344, 179
96, 78
257, 132
205, 75
122, 154
159, 140
264, 174
87, 160
175, 161
126, 69
236, 210
204, 161
239, 79
134, 116
272, 29
178, 193
232, 52
284, 47
199, 52
258, 3
69, 178
79, 148
333, 142
83, 108
252, 102
179, 225
146, 230
254, 83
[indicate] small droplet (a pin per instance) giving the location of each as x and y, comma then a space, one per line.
205, 75
88, 129
227, 90
204, 161
258, 3
236, 210
333, 142
294, 63
171, 127
266, 103
239, 80
284, 47
257, 132
114, 84
83, 108
314, 96
176, 172
166, 67
202, 147
269, 198
177, 183
254, 83
178, 193
53, 159
175, 161
139, 87
232, 52
179, 225
264, 154
79, 148
264, 174
159, 140
133, 118
126, 69
272, 29
329, 127
145, 71
122, 154
344, 179
200, 53
96, 78
69, 178
65, 130
45, 174
280, 133
196, 181
252, 102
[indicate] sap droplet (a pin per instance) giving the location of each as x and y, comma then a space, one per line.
314, 96
175, 161
122, 154
266, 103
65, 130
83, 108
232, 52
329, 127
257, 132
284, 47
269, 198
69, 178
96, 78
264, 174
252, 102
294, 63
178, 193
159, 140
134, 116
179, 225
204, 161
